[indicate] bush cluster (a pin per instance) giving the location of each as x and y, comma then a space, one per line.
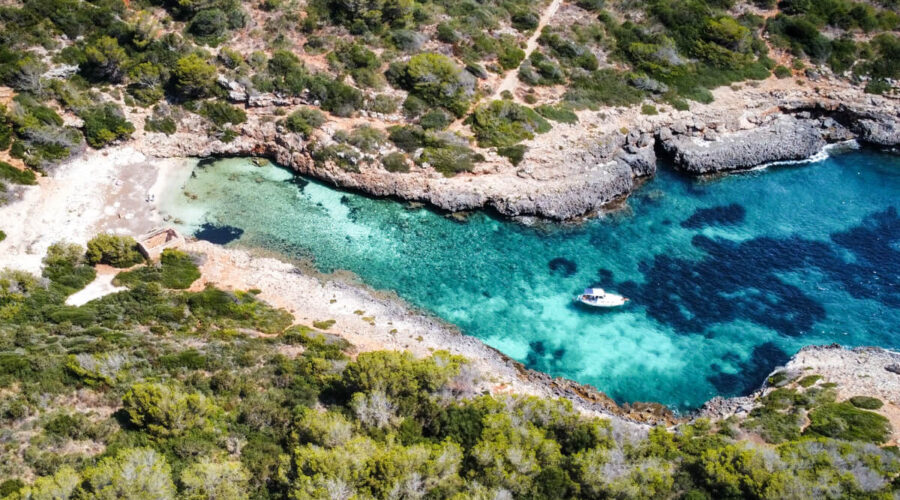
436, 80
504, 123
9, 173
176, 270
104, 124
222, 113
304, 120
116, 251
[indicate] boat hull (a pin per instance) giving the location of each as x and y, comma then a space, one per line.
610, 300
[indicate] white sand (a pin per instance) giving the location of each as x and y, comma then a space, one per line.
80, 198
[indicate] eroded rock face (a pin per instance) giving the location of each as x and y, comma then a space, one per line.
880, 129
575, 171
784, 139
596, 177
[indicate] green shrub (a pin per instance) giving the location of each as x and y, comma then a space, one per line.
222, 113
779, 379
649, 109
72, 426
304, 120
361, 62
116, 251
219, 309
592, 5
65, 266
324, 325
435, 119
209, 26
322, 344
193, 76
14, 175
510, 57
10, 486
131, 473
679, 104
384, 104
399, 375
844, 421
166, 125
541, 70
288, 74
215, 479
603, 87
782, 72
408, 138
866, 402
367, 138
102, 59
505, 123
802, 35
809, 380
104, 124
877, 87
2, 236
393, 162
165, 410
774, 426
190, 359
437, 80
449, 159
176, 270
146, 82
524, 20
341, 155
514, 154
335, 96
559, 113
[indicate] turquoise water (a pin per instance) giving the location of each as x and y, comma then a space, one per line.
727, 277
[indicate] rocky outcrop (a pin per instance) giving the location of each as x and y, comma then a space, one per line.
875, 128
578, 169
606, 172
784, 138
858, 371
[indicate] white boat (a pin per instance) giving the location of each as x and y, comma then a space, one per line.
597, 297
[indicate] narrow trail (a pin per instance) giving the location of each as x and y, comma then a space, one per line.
510, 79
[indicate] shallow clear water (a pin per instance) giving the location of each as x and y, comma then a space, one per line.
727, 277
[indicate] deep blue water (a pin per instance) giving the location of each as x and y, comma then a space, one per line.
728, 277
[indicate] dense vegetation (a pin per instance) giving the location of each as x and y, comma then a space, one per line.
98, 63
155, 392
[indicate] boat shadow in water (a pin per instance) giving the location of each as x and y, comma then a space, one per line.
576, 305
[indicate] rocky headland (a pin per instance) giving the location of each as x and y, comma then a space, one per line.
576, 169
859, 371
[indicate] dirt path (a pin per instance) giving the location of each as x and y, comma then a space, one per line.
100, 287
511, 80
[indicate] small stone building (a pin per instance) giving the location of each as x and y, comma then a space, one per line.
153, 243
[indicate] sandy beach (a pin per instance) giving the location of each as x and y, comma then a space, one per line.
100, 191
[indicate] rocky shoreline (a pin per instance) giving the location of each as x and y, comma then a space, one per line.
869, 371
120, 206
578, 170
